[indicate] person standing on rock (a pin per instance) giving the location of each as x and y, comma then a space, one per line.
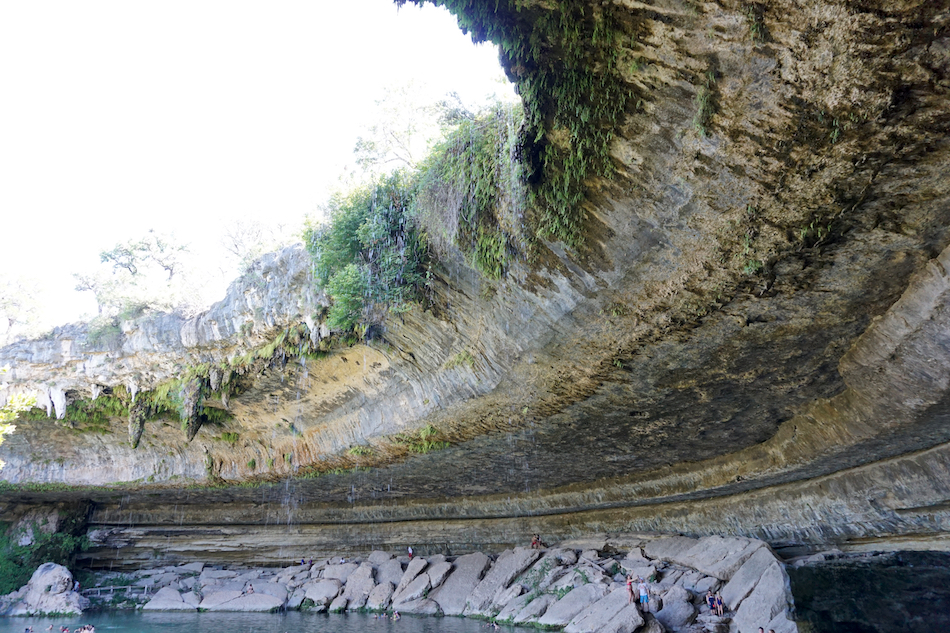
629, 588
410, 552
644, 595
711, 601
720, 607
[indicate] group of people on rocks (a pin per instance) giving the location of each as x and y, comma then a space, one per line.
715, 603
643, 590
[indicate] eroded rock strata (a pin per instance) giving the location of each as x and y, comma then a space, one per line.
752, 340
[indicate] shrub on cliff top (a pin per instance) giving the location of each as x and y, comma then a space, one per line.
370, 255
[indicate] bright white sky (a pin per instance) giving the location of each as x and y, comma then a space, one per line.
122, 116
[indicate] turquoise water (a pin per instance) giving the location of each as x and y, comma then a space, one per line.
291, 622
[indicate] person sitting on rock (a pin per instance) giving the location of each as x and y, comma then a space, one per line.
250, 588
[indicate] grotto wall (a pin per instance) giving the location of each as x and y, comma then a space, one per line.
750, 338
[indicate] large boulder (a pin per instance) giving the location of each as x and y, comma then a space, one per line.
358, 586
564, 610
770, 599
48, 591
534, 609
379, 598
437, 572
415, 590
389, 571
454, 592
677, 611
413, 569
339, 572
323, 592
718, 556
508, 566
596, 615
168, 599
745, 580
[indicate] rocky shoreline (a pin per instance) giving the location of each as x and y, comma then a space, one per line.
576, 587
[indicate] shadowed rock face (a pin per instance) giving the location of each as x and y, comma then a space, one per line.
753, 341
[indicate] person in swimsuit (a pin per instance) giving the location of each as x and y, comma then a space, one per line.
711, 601
629, 588
720, 607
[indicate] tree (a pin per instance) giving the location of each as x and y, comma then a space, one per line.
406, 125
143, 273
19, 310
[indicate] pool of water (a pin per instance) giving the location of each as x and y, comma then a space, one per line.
291, 622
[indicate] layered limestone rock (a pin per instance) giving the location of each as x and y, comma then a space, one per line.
513, 590
753, 340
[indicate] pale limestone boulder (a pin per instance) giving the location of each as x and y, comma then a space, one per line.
505, 596
380, 597
324, 591
358, 586
596, 615
338, 605
669, 548
49, 591
435, 558
277, 590
190, 597
422, 606
389, 571
542, 573
708, 583
564, 556
627, 620
782, 624
339, 572
376, 557
438, 572
415, 590
652, 626
509, 566
718, 556
454, 592
413, 569
745, 579
212, 600
231, 585
296, 598
534, 609
215, 574
564, 610
254, 574
191, 567
514, 606
646, 573
188, 584
677, 611
168, 599
770, 598
254, 602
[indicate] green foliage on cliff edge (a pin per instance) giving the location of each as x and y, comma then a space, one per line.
370, 256
18, 562
564, 58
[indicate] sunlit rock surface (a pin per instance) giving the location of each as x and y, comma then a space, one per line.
755, 341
